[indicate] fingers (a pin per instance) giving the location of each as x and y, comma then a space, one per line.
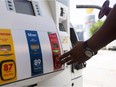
64, 55
73, 57
66, 59
70, 60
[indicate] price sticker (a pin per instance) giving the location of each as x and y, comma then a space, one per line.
8, 70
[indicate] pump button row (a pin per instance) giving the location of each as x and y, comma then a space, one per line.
37, 8
10, 5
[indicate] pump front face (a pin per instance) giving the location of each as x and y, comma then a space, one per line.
29, 43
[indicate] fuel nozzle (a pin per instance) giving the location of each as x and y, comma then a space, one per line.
105, 10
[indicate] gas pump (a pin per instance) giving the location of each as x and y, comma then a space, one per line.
61, 13
33, 34
29, 44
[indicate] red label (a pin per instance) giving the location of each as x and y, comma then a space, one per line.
55, 50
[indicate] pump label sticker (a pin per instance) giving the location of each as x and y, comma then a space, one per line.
7, 57
35, 52
5, 42
8, 70
55, 49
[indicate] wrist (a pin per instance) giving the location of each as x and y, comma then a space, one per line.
88, 51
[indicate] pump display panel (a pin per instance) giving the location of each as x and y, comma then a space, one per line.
29, 7
24, 7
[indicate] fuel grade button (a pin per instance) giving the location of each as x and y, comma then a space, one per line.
8, 70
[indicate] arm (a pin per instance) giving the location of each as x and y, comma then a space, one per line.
102, 37
106, 33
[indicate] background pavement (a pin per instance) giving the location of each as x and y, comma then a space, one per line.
101, 70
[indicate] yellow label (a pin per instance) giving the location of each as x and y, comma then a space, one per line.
6, 43
8, 70
7, 57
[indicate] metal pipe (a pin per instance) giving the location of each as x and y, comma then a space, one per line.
88, 6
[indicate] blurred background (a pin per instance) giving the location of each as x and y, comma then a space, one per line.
101, 69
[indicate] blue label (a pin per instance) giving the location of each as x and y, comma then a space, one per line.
35, 52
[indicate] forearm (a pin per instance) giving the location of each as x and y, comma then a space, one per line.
105, 34
98, 41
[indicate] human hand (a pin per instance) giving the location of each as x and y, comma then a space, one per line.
75, 55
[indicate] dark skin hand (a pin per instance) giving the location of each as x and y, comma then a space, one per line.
101, 38
75, 55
